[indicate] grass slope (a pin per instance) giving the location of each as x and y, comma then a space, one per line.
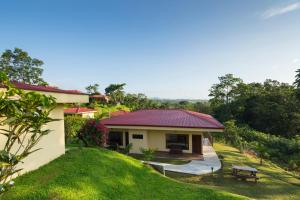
102, 174
275, 183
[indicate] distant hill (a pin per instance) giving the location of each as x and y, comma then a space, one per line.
178, 100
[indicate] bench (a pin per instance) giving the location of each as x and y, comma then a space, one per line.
251, 172
245, 177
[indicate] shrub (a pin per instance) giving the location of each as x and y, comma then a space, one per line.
278, 149
93, 133
148, 153
73, 125
128, 148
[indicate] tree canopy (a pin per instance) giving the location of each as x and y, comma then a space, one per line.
19, 66
116, 93
92, 89
270, 107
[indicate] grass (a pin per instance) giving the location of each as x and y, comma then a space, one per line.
275, 183
89, 173
162, 160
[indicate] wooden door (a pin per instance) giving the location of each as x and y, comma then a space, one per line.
197, 144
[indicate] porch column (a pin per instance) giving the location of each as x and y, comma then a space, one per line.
190, 143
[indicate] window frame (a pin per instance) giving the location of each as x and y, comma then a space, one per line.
185, 145
137, 136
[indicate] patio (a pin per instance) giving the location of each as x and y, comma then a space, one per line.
181, 156
209, 162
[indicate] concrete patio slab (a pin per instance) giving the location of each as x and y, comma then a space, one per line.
196, 167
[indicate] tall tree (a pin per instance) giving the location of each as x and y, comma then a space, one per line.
224, 91
115, 92
297, 79
93, 89
19, 66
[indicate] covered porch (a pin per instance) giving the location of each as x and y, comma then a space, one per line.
179, 144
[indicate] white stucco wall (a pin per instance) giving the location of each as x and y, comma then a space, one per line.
137, 144
89, 115
53, 144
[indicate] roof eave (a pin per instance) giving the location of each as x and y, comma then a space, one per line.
155, 127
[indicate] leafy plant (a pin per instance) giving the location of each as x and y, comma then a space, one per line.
73, 125
93, 133
128, 148
148, 153
22, 119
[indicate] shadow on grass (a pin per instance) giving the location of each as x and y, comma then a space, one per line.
275, 183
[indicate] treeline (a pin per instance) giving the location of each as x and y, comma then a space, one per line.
270, 107
118, 97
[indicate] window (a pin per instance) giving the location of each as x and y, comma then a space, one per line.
177, 141
115, 138
137, 136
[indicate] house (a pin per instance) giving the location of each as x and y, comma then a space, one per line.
163, 130
80, 111
99, 98
53, 144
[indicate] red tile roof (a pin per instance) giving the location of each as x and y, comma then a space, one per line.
25, 86
118, 113
165, 118
78, 110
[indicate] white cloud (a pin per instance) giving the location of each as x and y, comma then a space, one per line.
272, 12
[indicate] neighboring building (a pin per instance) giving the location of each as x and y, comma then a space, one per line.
53, 144
80, 111
99, 98
163, 130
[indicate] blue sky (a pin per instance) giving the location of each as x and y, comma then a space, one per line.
163, 48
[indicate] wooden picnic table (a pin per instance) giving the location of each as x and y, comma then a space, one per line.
239, 172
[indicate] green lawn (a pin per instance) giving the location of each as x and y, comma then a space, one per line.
101, 174
275, 183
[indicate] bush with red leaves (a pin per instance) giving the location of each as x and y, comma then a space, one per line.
93, 133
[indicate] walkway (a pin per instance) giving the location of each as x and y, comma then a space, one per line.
196, 167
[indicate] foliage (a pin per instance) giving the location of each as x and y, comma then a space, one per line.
116, 93
22, 114
136, 101
73, 125
278, 149
19, 66
90, 173
103, 111
148, 153
261, 151
128, 148
93, 133
93, 89
297, 79
270, 107
224, 92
